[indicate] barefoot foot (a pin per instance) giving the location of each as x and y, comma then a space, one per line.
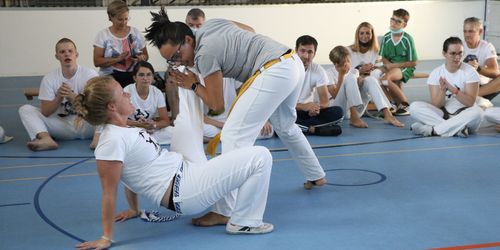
358, 123
310, 184
393, 121
210, 219
42, 144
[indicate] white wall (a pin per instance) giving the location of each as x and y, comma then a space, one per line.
28, 35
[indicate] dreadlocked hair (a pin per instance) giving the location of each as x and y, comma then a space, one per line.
163, 31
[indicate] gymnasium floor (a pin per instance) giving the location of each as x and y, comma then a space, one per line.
388, 189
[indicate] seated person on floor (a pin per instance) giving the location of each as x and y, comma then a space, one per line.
399, 57
55, 117
182, 179
482, 56
453, 89
365, 58
315, 116
351, 93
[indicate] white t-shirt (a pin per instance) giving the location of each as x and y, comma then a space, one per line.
483, 52
315, 77
54, 80
466, 74
358, 58
147, 169
113, 46
148, 109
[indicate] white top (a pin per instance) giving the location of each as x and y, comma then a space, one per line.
315, 77
54, 80
358, 58
113, 46
483, 52
148, 108
466, 74
147, 169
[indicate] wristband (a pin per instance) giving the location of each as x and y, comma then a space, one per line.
194, 86
106, 238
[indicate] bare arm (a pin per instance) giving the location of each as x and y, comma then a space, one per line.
109, 175
49, 107
388, 65
437, 95
208, 120
101, 61
323, 96
489, 70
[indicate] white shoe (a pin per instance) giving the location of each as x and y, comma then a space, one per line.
421, 129
263, 229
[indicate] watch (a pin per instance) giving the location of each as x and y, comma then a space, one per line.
194, 86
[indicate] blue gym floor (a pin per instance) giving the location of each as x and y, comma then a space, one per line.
388, 189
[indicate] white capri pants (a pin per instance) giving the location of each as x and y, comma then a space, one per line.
272, 96
429, 114
351, 95
62, 128
211, 131
492, 115
205, 182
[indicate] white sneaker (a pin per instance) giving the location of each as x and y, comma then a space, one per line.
263, 229
421, 129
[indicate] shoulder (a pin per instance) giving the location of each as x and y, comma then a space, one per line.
407, 37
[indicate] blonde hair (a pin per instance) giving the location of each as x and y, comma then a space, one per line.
474, 21
374, 46
116, 8
339, 55
91, 106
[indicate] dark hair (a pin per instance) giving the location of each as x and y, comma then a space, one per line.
449, 41
143, 64
306, 40
402, 13
196, 13
163, 31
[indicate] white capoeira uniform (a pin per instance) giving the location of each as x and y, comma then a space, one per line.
148, 169
351, 95
483, 52
60, 124
148, 109
229, 90
237, 53
429, 114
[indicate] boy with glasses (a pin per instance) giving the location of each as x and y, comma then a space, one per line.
399, 56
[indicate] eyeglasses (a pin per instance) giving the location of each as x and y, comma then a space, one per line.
398, 21
176, 56
145, 74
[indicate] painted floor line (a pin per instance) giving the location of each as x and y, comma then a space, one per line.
476, 246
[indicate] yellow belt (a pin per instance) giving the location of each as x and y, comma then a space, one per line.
212, 144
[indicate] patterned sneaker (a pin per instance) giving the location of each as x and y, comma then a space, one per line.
263, 229
464, 133
421, 129
402, 110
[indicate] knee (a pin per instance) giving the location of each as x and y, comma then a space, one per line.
416, 106
264, 156
26, 109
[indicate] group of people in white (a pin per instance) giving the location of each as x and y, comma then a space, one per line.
225, 82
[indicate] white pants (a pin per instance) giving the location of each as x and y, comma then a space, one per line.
210, 131
351, 95
62, 128
205, 182
429, 114
492, 115
272, 96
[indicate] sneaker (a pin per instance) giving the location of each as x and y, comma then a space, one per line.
263, 229
393, 109
402, 110
464, 133
421, 129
